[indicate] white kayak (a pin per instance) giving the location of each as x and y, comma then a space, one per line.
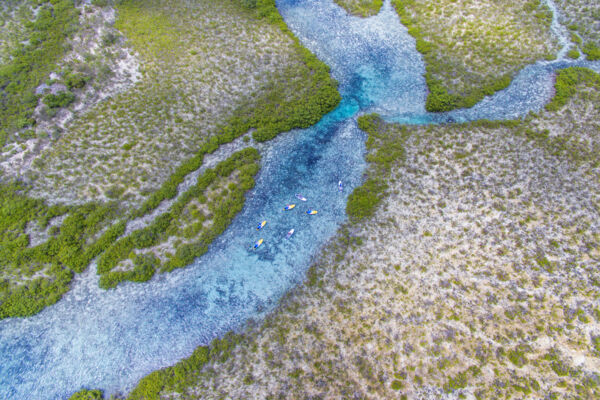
300, 197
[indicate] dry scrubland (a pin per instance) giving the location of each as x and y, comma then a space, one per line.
477, 277
92, 64
582, 18
201, 60
474, 48
471, 48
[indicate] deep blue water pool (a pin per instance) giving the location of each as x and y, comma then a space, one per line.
110, 339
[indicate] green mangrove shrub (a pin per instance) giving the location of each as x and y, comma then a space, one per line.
222, 207
185, 372
567, 81
32, 61
385, 146
87, 395
69, 248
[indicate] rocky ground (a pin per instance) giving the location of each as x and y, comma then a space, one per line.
476, 278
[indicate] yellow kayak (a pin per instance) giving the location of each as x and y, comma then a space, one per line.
289, 207
311, 212
258, 243
261, 225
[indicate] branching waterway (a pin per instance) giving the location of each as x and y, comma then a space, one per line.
110, 339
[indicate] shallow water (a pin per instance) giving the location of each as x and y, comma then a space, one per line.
110, 339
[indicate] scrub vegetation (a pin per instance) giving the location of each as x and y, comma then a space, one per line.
87, 395
32, 44
385, 147
42, 247
177, 237
474, 48
363, 8
58, 59
475, 277
582, 18
212, 72
471, 48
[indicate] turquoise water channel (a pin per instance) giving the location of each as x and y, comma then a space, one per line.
110, 339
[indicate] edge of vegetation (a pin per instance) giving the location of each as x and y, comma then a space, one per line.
384, 150
244, 161
361, 8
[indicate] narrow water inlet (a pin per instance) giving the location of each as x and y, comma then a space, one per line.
110, 339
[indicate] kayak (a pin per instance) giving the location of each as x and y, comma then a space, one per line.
300, 197
340, 187
261, 225
258, 243
311, 212
289, 207
289, 234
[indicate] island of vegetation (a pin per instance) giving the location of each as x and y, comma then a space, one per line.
363, 8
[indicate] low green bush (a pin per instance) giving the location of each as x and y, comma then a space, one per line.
223, 210
592, 51
68, 249
62, 99
100, 3
87, 395
32, 61
573, 53
363, 8
385, 147
566, 84
75, 80
458, 381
